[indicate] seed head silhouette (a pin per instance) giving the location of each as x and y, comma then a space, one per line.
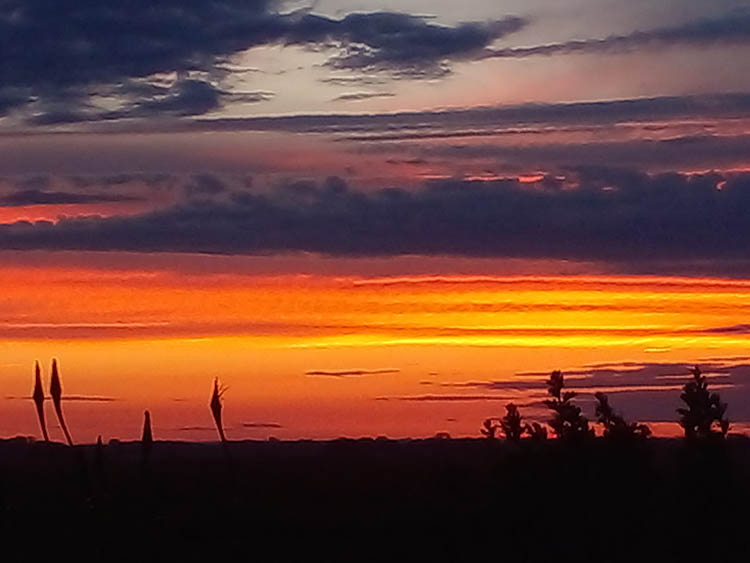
38, 396
55, 391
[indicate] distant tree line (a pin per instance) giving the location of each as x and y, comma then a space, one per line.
703, 416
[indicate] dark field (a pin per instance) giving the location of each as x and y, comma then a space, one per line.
353, 500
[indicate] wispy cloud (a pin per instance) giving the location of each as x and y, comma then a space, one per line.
351, 372
362, 96
733, 27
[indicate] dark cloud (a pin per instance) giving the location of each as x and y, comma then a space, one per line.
261, 425
615, 217
183, 98
205, 184
351, 372
38, 197
733, 27
410, 45
734, 329
105, 48
107, 181
652, 112
691, 152
361, 96
456, 399
74, 398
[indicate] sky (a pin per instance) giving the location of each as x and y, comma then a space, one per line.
371, 218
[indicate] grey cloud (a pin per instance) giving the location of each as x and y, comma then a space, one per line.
733, 27
631, 218
38, 197
482, 120
205, 184
100, 46
361, 96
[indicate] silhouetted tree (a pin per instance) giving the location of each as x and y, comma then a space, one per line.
615, 425
511, 423
38, 396
705, 414
567, 422
55, 391
489, 429
536, 431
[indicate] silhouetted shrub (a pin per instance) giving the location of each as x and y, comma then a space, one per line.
511, 423
705, 414
536, 431
615, 425
489, 429
568, 422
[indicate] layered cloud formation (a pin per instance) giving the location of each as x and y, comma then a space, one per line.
616, 215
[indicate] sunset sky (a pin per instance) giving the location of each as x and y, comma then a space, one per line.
371, 217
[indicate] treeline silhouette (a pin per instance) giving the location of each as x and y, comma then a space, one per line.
703, 416
550, 491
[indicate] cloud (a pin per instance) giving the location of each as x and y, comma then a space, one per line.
612, 216
106, 50
351, 372
676, 153
205, 184
457, 399
733, 27
181, 99
38, 197
261, 425
74, 398
361, 96
734, 329
488, 120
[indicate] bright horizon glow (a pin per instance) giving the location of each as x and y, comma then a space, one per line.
148, 337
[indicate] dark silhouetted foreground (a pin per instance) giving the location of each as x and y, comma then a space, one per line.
354, 500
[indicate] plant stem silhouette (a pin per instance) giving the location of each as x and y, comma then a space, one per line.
38, 396
704, 411
147, 438
216, 407
55, 391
